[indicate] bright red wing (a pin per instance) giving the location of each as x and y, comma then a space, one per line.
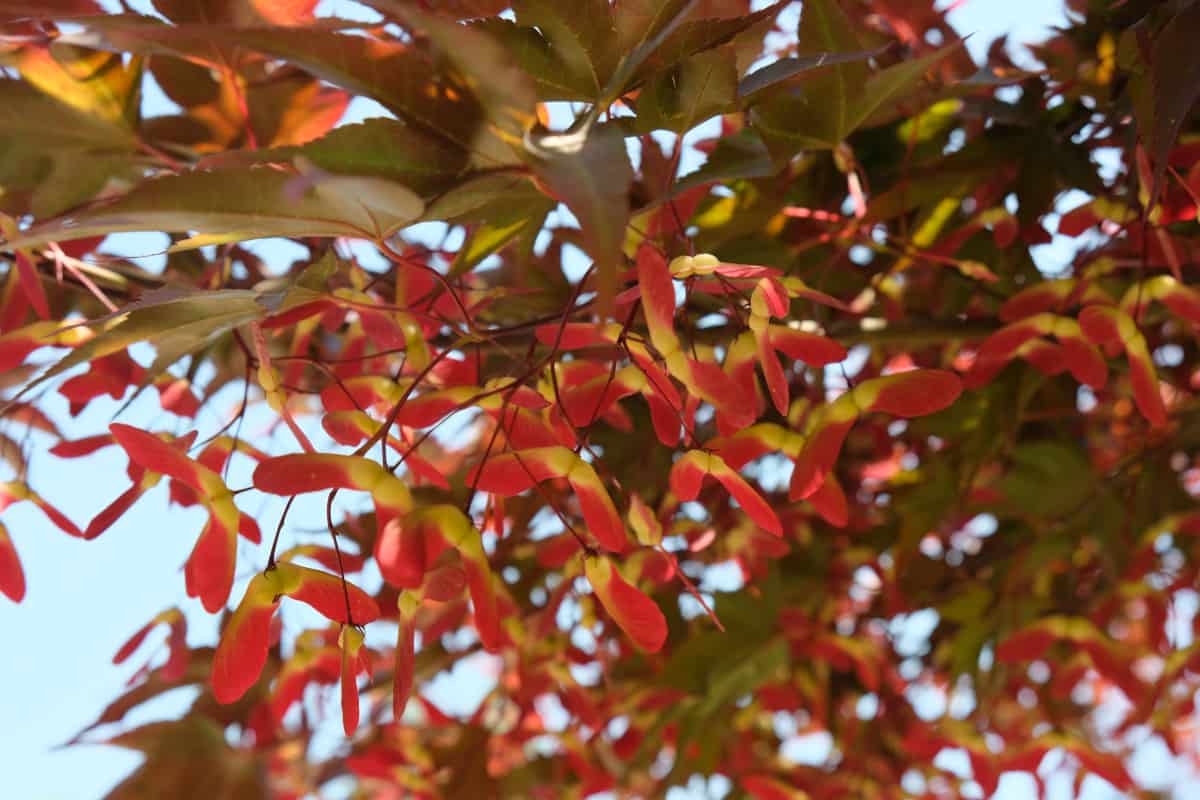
328, 594
242, 651
634, 612
12, 577
298, 473
208, 572
151, 452
811, 348
914, 393
817, 459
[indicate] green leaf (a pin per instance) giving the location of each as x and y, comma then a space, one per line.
689, 93
1174, 87
824, 29
490, 237
1038, 465
486, 69
696, 36
483, 198
78, 176
244, 12
98, 84
592, 175
50, 123
580, 36
403, 79
891, 84
551, 78
455, 9
734, 158
177, 323
657, 36
54, 156
381, 148
240, 204
162, 314
838, 99
188, 759
407, 81
762, 80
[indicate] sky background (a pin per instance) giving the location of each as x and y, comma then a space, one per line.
85, 598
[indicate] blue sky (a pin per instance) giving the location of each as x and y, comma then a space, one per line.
85, 598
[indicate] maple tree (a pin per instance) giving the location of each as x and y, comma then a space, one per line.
682, 449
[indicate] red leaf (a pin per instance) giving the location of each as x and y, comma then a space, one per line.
446, 581
405, 669
830, 502
1144, 380
715, 387
328, 594
59, 519
14, 349
748, 444
298, 473
248, 529
554, 552
1106, 765
1078, 220
664, 418
359, 393
1099, 324
658, 381
299, 313
584, 404
912, 394
327, 557
1042, 296
574, 336
112, 512
687, 475
352, 640
208, 573
529, 430
747, 497
503, 475
1084, 361
12, 577
484, 600
296, 675
176, 396
1002, 344
658, 298
777, 386
811, 348
134, 642
152, 453
1046, 357
400, 553
242, 651
31, 284
1026, 645
775, 296
1184, 301
422, 471
817, 459
599, 513
764, 787
634, 612
75, 448
428, 409
512, 473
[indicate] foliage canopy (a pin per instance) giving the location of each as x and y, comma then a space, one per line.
668, 359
